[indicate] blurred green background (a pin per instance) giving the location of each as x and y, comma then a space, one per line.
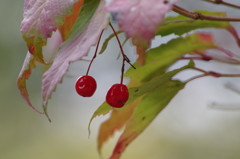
186, 129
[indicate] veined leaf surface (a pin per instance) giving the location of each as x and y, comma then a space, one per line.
160, 58
151, 105
40, 19
84, 34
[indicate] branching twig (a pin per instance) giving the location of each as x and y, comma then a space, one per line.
211, 73
223, 2
195, 15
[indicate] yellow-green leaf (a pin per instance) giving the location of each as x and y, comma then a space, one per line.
151, 105
160, 58
116, 121
180, 25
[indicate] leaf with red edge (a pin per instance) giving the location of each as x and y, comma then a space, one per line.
70, 20
160, 58
137, 92
40, 19
116, 121
28, 65
152, 104
76, 46
139, 19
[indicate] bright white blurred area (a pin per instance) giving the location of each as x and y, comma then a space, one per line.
188, 128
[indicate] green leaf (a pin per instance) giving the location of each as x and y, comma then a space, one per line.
70, 20
120, 116
102, 110
87, 11
160, 58
151, 105
115, 123
180, 25
136, 92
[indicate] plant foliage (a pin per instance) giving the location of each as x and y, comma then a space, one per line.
151, 85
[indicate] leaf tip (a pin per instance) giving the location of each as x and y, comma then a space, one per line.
191, 64
89, 129
46, 113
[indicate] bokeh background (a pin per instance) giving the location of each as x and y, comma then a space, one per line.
187, 129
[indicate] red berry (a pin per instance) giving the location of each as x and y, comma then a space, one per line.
86, 86
117, 95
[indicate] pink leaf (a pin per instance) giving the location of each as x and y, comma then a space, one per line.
234, 33
40, 19
73, 51
139, 20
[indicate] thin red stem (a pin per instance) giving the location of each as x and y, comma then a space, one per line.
215, 74
124, 56
95, 54
196, 77
210, 73
200, 70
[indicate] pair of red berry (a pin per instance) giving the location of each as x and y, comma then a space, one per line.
116, 96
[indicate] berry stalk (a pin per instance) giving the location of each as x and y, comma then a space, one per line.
123, 55
95, 54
